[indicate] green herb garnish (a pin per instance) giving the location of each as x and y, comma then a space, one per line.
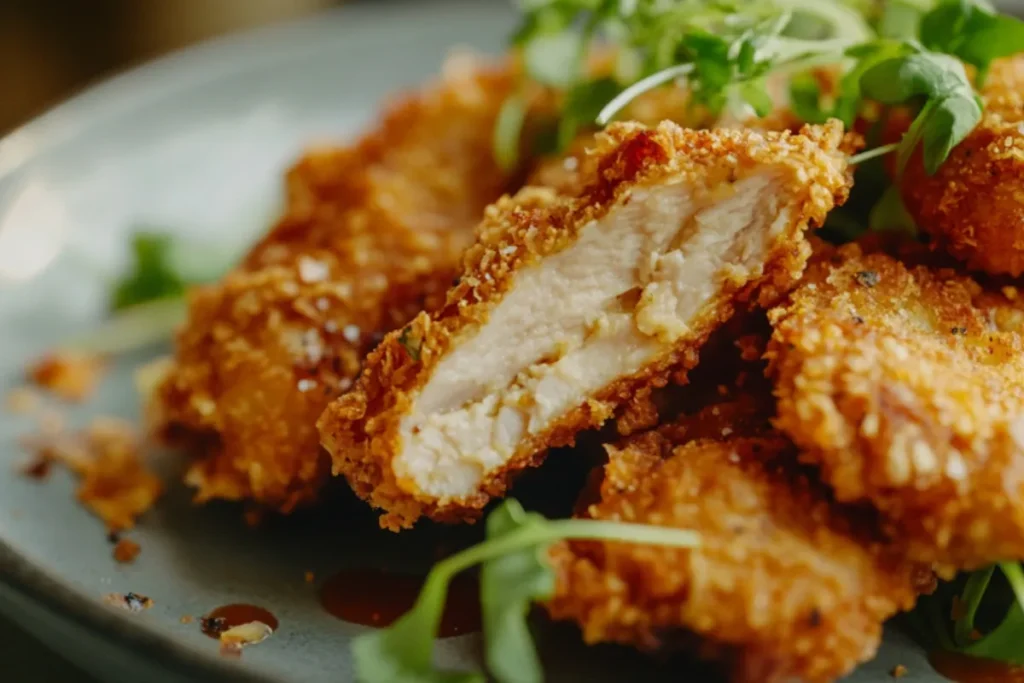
152, 276
515, 572
725, 50
412, 346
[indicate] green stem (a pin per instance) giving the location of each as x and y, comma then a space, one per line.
533, 536
640, 87
873, 153
1015, 575
132, 328
977, 584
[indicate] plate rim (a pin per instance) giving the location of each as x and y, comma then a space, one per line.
110, 96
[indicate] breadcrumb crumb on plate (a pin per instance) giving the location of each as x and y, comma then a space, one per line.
566, 307
785, 585
904, 382
70, 375
115, 484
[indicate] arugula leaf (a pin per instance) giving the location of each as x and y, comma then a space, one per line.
508, 585
514, 574
151, 275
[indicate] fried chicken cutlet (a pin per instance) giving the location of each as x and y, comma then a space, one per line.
974, 204
566, 306
371, 235
905, 384
786, 585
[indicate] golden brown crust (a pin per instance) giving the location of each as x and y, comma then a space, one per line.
974, 205
786, 584
904, 383
371, 235
361, 430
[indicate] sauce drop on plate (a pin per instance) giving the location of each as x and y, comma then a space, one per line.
228, 616
966, 669
374, 597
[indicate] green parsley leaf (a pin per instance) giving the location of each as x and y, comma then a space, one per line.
151, 276
508, 586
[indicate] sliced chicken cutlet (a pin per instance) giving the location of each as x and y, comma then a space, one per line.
566, 306
786, 585
371, 235
904, 382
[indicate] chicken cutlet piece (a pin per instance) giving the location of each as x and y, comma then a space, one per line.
567, 306
905, 384
371, 235
786, 585
974, 204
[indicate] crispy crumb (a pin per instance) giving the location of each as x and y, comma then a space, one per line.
70, 375
126, 551
899, 671
115, 484
309, 577
186, 619
23, 400
237, 637
131, 602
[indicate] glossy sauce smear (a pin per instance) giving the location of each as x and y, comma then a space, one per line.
965, 669
374, 597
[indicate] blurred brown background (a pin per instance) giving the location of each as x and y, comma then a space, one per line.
50, 49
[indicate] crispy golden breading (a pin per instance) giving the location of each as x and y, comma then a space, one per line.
521, 243
974, 205
786, 585
905, 383
371, 235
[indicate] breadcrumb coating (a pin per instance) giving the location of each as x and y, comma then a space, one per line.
371, 235
361, 430
974, 204
904, 383
786, 585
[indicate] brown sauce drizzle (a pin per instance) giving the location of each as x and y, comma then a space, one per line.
965, 669
374, 597
229, 616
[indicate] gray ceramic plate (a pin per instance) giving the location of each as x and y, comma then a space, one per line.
197, 143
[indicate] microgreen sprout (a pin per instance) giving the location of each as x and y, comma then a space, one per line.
515, 572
